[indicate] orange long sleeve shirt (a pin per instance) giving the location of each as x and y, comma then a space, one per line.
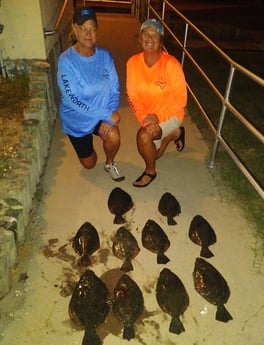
160, 89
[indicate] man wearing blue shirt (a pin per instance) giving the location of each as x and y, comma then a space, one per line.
90, 94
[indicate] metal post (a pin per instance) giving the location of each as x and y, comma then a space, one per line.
222, 116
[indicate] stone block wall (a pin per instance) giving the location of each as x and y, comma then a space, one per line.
18, 188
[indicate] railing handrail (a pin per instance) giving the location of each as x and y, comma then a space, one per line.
226, 104
58, 21
127, 2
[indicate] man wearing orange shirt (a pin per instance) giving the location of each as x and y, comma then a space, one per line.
157, 94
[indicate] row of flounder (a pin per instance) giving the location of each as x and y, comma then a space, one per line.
91, 302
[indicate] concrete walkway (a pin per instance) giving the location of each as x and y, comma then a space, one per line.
36, 310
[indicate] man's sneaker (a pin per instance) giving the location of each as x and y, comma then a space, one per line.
112, 169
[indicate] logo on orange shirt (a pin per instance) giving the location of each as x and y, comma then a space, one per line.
161, 82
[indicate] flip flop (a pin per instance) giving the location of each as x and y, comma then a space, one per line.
181, 138
152, 177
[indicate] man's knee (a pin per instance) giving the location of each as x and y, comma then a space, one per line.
89, 162
143, 136
114, 135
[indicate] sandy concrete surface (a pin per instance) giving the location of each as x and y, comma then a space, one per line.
36, 310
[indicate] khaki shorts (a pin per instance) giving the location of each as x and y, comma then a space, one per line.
167, 128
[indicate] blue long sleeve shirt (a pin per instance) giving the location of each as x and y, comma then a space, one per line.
89, 89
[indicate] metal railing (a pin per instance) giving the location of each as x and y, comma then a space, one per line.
107, 3
58, 21
142, 10
114, 2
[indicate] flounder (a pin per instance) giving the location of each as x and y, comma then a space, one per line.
119, 203
201, 233
86, 242
89, 306
169, 207
127, 304
155, 239
125, 247
172, 298
211, 285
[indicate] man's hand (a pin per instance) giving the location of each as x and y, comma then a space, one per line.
154, 130
150, 119
151, 125
104, 130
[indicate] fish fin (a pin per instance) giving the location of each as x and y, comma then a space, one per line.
222, 314
90, 337
176, 326
206, 252
127, 266
171, 221
129, 332
119, 219
162, 258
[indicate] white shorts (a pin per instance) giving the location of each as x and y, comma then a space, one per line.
167, 128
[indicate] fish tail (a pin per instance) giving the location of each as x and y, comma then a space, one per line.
85, 261
206, 252
129, 332
176, 326
91, 338
222, 314
162, 258
127, 266
119, 219
171, 221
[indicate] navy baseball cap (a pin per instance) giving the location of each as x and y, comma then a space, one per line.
81, 14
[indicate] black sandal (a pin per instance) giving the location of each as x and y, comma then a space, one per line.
152, 177
181, 138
